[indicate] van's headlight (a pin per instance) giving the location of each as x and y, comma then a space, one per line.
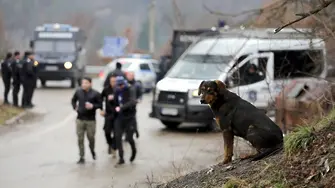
193, 93
35, 63
68, 65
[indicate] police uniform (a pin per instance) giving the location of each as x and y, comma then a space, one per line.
29, 78
16, 71
6, 75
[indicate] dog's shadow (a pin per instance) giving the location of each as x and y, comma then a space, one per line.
189, 129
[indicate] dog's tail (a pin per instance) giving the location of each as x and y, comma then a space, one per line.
268, 152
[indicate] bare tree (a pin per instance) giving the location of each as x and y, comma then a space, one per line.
323, 4
3, 41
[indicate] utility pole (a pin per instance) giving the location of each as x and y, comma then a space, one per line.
178, 16
152, 19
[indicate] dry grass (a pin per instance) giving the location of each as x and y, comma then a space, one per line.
7, 112
308, 160
303, 136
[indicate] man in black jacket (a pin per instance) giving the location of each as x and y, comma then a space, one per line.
118, 72
110, 114
16, 69
125, 121
86, 101
29, 79
6, 72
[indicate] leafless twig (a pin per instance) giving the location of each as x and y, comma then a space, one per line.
250, 11
322, 6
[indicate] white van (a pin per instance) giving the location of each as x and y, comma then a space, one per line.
278, 58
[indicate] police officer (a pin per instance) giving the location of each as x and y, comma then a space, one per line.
118, 72
136, 88
16, 69
6, 72
109, 113
29, 78
125, 120
85, 102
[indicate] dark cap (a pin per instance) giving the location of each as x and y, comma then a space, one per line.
9, 55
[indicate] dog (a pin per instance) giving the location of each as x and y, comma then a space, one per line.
237, 117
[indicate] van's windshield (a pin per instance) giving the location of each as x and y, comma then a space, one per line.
202, 67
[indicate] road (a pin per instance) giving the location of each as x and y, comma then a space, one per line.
42, 152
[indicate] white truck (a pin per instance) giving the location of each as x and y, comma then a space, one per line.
278, 58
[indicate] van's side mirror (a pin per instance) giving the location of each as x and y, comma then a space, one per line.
229, 82
79, 48
31, 44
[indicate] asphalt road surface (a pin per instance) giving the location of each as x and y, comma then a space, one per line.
42, 151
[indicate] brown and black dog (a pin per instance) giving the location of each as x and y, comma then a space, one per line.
237, 117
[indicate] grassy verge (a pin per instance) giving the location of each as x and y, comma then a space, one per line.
308, 160
7, 112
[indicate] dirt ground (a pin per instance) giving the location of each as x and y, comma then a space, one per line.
7, 112
311, 167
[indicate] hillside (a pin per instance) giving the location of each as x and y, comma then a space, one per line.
308, 160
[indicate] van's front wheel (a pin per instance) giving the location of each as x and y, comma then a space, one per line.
171, 124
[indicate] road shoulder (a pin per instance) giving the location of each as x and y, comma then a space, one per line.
10, 115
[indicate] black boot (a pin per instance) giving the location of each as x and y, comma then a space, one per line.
121, 162
133, 155
93, 155
6, 101
81, 160
109, 150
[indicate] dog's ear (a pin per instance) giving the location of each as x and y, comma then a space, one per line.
199, 89
221, 86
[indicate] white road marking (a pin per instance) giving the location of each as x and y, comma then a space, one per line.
36, 134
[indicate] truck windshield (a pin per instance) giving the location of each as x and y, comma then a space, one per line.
202, 67
54, 46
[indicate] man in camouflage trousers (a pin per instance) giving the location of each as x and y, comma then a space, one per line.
86, 101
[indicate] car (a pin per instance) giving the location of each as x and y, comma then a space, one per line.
145, 70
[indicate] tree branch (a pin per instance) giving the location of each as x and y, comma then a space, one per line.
251, 11
324, 5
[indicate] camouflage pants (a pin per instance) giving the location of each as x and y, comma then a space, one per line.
88, 127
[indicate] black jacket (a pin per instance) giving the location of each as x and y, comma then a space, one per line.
6, 70
29, 71
116, 72
127, 104
137, 87
16, 70
82, 97
109, 104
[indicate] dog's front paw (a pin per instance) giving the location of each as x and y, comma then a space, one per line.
246, 156
227, 160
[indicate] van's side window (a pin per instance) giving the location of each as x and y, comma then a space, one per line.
297, 63
250, 73
240, 59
